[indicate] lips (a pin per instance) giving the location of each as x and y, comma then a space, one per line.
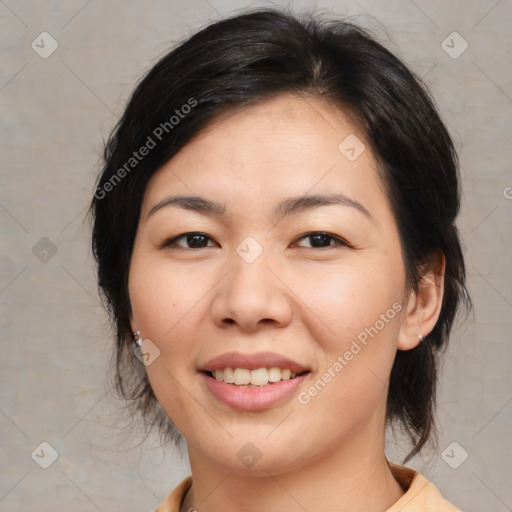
256, 398
252, 362
237, 394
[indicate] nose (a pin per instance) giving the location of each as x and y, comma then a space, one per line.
252, 297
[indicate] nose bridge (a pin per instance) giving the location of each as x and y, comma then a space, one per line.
251, 293
250, 275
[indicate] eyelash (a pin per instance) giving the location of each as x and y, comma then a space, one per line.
171, 241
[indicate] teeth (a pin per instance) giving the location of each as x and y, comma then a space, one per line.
242, 376
259, 377
228, 375
274, 374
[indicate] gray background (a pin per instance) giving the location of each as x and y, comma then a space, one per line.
56, 342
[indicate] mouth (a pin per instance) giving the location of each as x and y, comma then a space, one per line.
257, 378
252, 382
243, 395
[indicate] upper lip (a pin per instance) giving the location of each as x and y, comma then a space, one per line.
251, 362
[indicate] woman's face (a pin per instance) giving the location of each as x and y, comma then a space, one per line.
295, 252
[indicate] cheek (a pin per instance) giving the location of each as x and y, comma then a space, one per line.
163, 302
359, 309
161, 298
349, 301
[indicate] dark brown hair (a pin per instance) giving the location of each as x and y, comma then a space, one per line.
260, 55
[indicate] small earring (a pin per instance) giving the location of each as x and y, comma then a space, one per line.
420, 337
138, 338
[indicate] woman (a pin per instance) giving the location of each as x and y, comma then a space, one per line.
275, 238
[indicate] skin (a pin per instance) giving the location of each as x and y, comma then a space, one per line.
301, 298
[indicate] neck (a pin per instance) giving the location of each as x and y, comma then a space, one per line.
353, 476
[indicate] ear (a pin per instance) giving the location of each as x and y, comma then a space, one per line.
424, 305
133, 323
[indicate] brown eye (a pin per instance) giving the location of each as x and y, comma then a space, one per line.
193, 240
320, 240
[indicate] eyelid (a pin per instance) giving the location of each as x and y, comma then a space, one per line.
341, 241
166, 242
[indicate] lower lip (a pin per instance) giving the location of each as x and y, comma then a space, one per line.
252, 399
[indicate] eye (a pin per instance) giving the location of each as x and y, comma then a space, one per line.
321, 239
193, 240
198, 240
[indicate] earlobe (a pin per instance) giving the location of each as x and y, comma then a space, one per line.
410, 334
133, 324
423, 305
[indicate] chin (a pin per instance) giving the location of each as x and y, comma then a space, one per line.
256, 455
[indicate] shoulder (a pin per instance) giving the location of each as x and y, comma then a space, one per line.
421, 495
173, 502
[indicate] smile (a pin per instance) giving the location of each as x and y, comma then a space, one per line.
253, 378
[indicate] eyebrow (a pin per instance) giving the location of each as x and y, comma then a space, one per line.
288, 207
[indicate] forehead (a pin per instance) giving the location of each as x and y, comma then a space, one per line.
256, 155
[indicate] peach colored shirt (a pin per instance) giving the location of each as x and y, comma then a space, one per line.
421, 495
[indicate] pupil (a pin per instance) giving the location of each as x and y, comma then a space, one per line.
324, 240
196, 240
